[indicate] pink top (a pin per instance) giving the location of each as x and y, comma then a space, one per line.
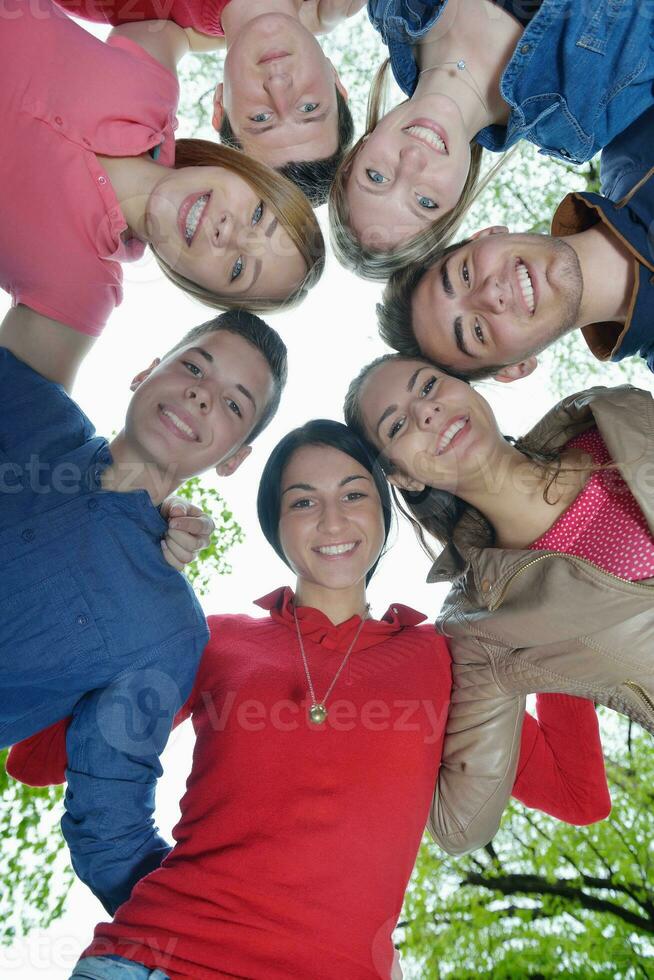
203, 15
65, 96
604, 525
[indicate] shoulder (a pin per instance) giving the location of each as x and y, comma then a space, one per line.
228, 627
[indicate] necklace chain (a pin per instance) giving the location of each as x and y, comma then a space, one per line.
318, 711
460, 65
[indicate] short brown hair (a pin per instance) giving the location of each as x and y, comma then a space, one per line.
313, 177
376, 264
263, 338
287, 203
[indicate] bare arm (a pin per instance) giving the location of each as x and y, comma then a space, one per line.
162, 39
322, 16
48, 346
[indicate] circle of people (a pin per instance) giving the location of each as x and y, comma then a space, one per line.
325, 739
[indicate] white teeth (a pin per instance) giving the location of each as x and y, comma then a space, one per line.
336, 549
193, 217
182, 426
428, 135
525, 285
449, 434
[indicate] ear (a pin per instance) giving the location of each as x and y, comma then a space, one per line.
339, 84
140, 378
232, 463
513, 372
404, 482
218, 110
491, 230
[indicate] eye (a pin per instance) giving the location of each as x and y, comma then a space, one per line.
309, 107
479, 333
355, 495
465, 274
426, 388
426, 202
193, 368
395, 428
302, 504
257, 214
376, 177
233, 407
237, 269
261, 117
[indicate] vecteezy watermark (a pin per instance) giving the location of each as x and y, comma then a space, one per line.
65, 477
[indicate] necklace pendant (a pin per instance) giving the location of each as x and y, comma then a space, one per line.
461, 64
317, 713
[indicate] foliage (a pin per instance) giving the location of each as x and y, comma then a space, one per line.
545, 899
211, 561
33, 869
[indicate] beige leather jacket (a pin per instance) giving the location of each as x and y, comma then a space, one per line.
523, 621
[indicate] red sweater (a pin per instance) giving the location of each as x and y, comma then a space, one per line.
296, 842
203, 15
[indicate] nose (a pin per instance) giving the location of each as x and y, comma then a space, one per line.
412, 159
425, 414
332, 519
493, 293
279, 87
200, 397
223, 229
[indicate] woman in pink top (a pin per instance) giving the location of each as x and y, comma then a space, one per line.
548, 543
91, 173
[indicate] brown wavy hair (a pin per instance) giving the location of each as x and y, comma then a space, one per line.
289, 205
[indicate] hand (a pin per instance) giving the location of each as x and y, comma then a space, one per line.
322, 16
189, 531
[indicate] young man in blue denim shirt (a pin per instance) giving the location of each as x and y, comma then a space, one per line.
95, 623
488, 306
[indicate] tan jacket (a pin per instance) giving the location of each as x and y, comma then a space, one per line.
523, 621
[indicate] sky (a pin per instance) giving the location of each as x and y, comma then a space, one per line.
329, 337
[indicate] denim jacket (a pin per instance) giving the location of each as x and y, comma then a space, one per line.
579, 75
94, 624
626, 207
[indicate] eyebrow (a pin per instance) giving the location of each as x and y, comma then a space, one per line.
271, 228
200, 350
458, 337
393, 408
445, 279
244, 391
258, 130
307, 486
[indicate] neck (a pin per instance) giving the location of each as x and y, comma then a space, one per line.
130, 471
338, 605
486, 47
238, 13
607, 269
133, 180
508, 490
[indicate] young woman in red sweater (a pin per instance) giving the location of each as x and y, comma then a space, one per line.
319, 733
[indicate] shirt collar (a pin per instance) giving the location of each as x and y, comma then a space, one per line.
314, 625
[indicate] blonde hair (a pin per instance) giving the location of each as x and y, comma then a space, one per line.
289, 205
379, 265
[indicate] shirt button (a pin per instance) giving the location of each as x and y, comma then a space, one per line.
93, 504
82, 620
102, 180
525, 49
59, 121
485, 585
28, 534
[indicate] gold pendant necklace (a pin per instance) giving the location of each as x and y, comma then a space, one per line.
318, 711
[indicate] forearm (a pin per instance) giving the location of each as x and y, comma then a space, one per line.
51, 348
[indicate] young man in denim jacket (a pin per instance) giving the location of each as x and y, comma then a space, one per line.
95, 623
488, 306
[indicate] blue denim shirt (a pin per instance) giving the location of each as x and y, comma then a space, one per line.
94, 624
581, 72
627, 162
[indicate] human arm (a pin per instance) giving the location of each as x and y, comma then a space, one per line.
322, 16
48, 346
191, 15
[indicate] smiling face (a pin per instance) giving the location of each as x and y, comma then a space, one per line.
279, 92
497, 300
409, 172
196, 408
331, 525
432, 428
210, 226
